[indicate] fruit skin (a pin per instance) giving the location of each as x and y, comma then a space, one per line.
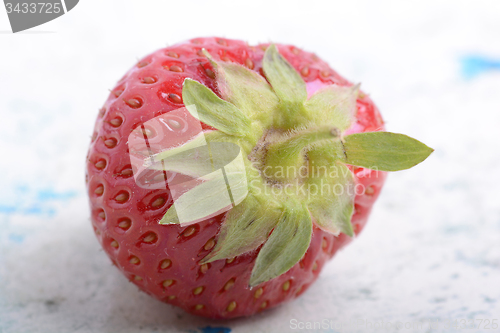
163, 260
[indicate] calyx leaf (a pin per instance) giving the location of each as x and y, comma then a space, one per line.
285, 247
195, 161
245, 228
197, 141
285, 80
213, 110
244, 88
334, 105
170, 216
384, 151
332, 204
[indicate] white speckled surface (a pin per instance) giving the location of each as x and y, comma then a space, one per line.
431, 251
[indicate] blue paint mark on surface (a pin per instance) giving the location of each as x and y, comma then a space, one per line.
33, 210
50, 194
27, 210
475, 65
16, 238
210, 329
7, 209
26, 201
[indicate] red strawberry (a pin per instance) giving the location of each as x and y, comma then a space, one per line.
218, 267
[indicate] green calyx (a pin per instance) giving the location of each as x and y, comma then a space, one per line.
285, 156
293, 156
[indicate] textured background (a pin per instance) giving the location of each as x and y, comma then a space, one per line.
431, 251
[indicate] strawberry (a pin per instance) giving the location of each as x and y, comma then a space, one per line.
279, 108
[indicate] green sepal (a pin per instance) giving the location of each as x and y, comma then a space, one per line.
193, 159
198, 141
384, 151
189, 160
334, 105
326, 155
170, 216
331, 200
245, 228
214, 111
285, 247
244, 88
285, 80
